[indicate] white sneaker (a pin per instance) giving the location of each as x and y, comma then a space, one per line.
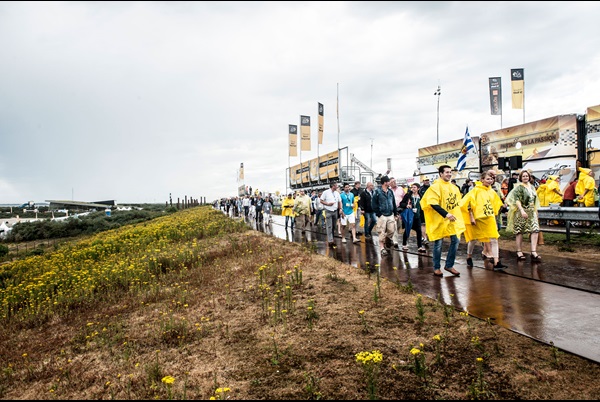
404, 248
344, 240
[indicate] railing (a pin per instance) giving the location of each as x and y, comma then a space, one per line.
569, 214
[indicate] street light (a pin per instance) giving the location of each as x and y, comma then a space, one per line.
371, 165
437, 93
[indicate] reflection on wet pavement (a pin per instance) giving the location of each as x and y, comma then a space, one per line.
555, 301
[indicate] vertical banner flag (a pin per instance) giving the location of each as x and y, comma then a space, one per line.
518, 84
241, 178
321, 111
293, 140
468, 144
496, 95
305, 133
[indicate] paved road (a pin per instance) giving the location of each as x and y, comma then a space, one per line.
557, 300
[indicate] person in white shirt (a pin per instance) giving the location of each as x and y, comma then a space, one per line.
333, 204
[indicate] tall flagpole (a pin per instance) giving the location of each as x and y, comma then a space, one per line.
300, 153
338, 116
523, 100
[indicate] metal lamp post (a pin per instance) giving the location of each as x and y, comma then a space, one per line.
437, 93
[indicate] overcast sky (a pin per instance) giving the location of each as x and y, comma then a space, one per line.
136, 101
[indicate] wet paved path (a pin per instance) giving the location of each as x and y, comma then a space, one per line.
557, 300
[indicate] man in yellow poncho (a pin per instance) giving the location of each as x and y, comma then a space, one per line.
585, 187
553, 193
479, 208
443, 219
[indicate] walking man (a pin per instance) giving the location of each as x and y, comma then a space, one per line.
367, 209
332, 203
348, 218
444, 219
302, 209
384, 206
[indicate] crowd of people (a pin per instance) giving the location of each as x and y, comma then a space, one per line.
434, 212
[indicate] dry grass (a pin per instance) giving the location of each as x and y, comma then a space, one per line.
215, 327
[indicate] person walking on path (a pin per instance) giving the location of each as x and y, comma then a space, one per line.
444, 219
367, 210
384, 206
424, 187
357, 191
302, 210
522, 214
267, 210
411, 217
398, 195
287, 210
332, 203
246, 205
319, 214
479, 208
348, 218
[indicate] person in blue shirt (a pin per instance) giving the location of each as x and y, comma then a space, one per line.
348, 218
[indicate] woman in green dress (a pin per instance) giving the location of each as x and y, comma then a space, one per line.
523, 205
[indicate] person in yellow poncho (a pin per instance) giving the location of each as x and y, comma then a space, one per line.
541, 193
585, 188
287, 210
443, 219
553, 193
522, 214
479, 208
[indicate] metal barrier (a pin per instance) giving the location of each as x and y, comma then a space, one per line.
568, 214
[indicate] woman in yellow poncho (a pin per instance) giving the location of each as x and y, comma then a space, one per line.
479, 208
585, 187
287, 210
443, 219
553, 193
522, 214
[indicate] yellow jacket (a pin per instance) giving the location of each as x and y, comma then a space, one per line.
287, 207
485, 204
586, 182
552, 186
541, 193
447, 196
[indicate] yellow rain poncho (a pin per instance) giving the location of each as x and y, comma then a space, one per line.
447, 196
287, 207
485, 204
541, 193
586, 182
553, 193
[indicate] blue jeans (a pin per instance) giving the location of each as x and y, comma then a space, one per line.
437, 253
370, 221
319, 218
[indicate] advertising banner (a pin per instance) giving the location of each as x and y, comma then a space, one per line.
495, 95
593, 139
321, 113
329, 166
517, 82
305, 133
293, 134
547, 146
432, 157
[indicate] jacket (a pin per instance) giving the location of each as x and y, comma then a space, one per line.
384, 203
364, 202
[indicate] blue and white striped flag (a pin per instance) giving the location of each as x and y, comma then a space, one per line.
468, 145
